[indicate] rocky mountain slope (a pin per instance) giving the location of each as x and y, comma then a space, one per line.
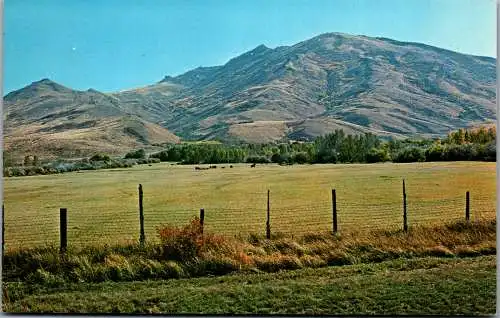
357, 83
337, 81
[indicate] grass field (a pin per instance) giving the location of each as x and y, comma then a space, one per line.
102, 205
419, 286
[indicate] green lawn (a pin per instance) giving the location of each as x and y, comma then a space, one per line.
404, 286
102, 205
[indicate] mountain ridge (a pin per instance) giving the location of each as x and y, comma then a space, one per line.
333, 80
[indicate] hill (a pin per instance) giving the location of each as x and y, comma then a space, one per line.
51, 120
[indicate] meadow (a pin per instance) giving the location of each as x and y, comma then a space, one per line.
103, 205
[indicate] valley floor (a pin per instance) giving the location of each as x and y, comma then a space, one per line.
103, 205
420, 286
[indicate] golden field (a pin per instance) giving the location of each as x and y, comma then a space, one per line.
103, 205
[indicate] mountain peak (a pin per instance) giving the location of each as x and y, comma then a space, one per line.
29, 91
261, 47
258, 50
44, 80
48, 83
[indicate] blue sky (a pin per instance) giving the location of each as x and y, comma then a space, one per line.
116, 45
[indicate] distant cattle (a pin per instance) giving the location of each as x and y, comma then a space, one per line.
223, 167
230, 166
200, 168
253, 165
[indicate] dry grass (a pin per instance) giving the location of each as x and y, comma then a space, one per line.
106, 136
184, 252
102, 205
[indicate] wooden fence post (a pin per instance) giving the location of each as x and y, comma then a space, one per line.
405, 217
334, 210
142, 237
3, 228
63, 219
202, 219
268, 223
467, 206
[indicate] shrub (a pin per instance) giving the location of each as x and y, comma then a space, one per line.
189, 244
286, 159
86, 271
435, 153
147, 161
257, 159
377, 155
277, 262
409, 155
216, 265
455, 153
312, 261
138, 154
276, 158
17, 172
301, 157
99, 157
487, 152
118, 268
162, 156
85, 166
7, 172
181, 243
41, 276
470, 152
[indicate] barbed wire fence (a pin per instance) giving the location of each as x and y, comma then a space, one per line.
264, 213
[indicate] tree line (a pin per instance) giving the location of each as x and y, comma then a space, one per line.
477, 144
338, 147
32, 166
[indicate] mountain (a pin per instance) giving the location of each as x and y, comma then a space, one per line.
51, 120
334, 80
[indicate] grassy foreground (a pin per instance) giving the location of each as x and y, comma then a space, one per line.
446, 269
103, 208
422, 286
185, 252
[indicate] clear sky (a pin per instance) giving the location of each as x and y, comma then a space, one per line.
115, 45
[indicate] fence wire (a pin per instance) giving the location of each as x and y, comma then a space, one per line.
297, 216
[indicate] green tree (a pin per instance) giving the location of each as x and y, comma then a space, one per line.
301, 157
411, 154
7, 159
276, 158
99, 157
138, 154
377, 155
